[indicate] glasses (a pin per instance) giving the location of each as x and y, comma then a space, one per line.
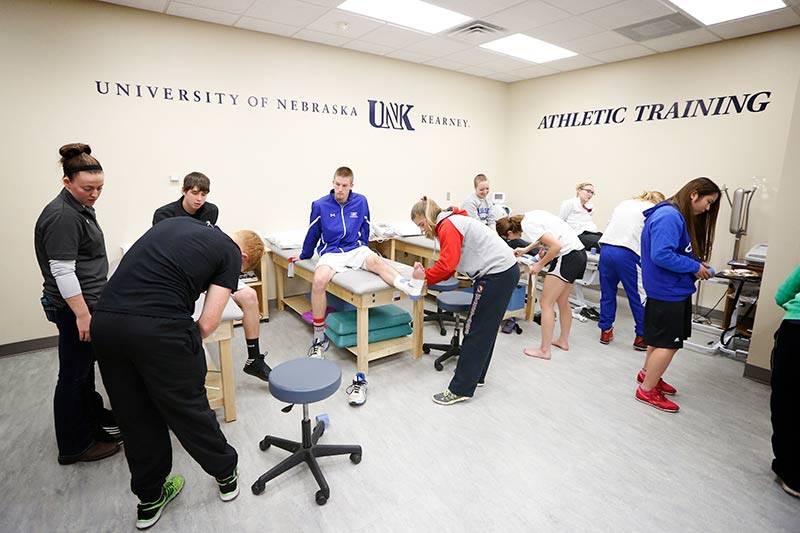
590, 191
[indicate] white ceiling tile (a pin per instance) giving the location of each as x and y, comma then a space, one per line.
370, 48
572, 63
228, 6
201, 13
526, 15
357, 25
475, 8
506, 64
622, 53
474, 56
320, 37
565, 30
577, 7
405, 55
446, 63
393, 36
627, 12
291, 12
597, 42
535, 71
438, 46
266, 26
477, 71
326, 3
774, 20
684, 39
159, 6
506, 77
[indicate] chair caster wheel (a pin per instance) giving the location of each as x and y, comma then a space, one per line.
321, 497
355, 458
438, 366
518, 329
258, 488
442, 332
264, 445
326, 422
426, 350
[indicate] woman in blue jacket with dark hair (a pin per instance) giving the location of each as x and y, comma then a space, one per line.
677, 238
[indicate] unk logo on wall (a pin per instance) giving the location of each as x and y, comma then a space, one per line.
390, 115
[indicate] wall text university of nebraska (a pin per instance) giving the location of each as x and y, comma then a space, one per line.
714, 106
156, 92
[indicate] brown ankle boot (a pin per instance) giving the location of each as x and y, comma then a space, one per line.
98, 450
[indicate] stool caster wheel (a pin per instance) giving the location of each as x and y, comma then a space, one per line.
442, 332
258, 488
355, 458
426, 350
438, 366
326, 422
264, 445
321, 497
518, 329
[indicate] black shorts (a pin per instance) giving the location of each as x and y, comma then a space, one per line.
667, 324
568, 267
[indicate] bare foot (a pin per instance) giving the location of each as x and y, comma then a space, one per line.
536, 352
564, 345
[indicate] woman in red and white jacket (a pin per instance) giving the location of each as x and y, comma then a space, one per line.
473, 249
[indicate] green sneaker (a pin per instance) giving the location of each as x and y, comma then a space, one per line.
448, 398
229, 487
149, 513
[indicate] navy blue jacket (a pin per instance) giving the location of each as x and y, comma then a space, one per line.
337, 228
668, 263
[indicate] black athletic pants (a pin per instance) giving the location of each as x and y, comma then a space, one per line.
490, 298
154, 370
784, 403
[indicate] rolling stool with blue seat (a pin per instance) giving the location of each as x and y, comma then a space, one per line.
440, 316
305, 381
456, 302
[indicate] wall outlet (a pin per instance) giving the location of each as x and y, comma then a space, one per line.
174, 178
447, 196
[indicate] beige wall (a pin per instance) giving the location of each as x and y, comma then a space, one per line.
266, 165
784, 246
626, 158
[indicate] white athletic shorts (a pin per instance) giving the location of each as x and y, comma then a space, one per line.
341, 261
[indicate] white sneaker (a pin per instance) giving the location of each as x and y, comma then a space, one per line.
318, 349
411, 286
357, 392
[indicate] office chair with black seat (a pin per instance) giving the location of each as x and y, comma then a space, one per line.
456, 302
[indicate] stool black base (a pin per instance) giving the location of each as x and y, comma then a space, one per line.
450, 350
307, 451
440, 317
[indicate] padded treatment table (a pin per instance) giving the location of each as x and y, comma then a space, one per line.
363, 290
219, 382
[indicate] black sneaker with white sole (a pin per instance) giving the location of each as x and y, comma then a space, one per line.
229, 486
257, 368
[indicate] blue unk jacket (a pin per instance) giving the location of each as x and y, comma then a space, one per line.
337, 228
668, 263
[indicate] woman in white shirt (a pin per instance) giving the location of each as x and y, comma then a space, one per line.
620, 262
577, 212
563, 263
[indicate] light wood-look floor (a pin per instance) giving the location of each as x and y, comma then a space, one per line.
555, 445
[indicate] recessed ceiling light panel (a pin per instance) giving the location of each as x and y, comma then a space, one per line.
414, 14
527, 48
715, 11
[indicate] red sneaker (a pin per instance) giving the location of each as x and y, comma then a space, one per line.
657, 399
606, 336
662, 385
639, 345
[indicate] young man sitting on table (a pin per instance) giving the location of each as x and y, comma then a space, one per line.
339, 232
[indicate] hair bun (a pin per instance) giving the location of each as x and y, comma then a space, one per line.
68, 151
